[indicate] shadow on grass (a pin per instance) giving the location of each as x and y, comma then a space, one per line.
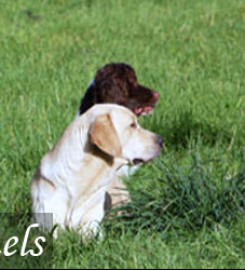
186, 128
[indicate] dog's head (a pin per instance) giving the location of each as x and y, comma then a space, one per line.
117, 133
117, 84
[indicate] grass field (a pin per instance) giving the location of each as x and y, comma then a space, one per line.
188, 206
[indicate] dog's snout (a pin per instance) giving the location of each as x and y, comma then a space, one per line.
156, 96
160, 141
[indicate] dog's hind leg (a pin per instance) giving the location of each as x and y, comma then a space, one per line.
47, 200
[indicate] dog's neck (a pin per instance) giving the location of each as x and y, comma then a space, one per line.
88, 100
97, 173
78, 166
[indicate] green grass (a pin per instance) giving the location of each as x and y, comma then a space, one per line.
188, 206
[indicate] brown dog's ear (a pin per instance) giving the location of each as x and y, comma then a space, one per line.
104, 136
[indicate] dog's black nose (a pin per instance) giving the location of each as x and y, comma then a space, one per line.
160, 141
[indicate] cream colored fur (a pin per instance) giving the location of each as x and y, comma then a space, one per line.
75, 175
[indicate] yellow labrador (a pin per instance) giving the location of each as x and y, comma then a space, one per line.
75, 175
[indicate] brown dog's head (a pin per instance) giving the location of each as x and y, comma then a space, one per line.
117, 84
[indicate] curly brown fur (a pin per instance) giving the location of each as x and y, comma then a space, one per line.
116, 83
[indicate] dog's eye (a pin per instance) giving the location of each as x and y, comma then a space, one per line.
134, 125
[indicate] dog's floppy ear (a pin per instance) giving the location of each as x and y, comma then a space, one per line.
104, 136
